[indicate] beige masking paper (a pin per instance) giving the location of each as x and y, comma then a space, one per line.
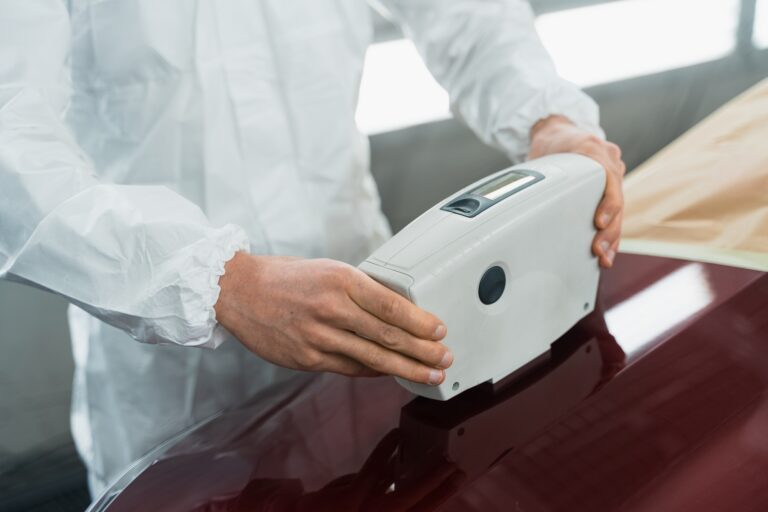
705, 196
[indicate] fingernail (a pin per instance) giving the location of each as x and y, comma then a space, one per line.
605, 218
447, 360
610, 254
435, 377
440, 331
605, 246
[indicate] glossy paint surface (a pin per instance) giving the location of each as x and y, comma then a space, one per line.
658, 401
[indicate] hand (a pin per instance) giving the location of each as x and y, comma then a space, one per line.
556, 134
324, 315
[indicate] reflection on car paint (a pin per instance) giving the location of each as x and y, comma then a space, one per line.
657, 401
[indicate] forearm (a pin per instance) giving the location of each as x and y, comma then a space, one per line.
141, 258
490, 60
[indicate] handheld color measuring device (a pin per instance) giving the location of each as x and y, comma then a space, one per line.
506, 263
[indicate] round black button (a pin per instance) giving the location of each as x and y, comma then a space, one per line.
492, 285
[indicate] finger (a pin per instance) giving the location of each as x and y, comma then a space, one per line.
382, 360
615, 249
614, 151
343, 365
612, 201
395, 309
606, 242
397, 340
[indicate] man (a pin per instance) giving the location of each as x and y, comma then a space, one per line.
169, 168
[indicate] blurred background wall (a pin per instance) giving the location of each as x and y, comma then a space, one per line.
655, 67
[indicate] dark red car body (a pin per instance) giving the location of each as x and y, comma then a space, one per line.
658, 401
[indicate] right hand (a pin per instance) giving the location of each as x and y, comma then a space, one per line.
324, 315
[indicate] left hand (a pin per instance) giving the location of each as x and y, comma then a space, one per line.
556, 134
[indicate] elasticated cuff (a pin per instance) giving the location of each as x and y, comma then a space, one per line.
199, 290
564, 99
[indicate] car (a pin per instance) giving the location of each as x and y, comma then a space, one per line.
656, 401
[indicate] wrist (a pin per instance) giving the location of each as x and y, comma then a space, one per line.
229, 284
544, 126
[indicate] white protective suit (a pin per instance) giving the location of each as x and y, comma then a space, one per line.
142, 143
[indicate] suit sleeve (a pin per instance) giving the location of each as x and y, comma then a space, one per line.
488, 56
141, 258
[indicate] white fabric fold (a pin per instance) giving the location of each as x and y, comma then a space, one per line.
489, 58
141, 258
143, 143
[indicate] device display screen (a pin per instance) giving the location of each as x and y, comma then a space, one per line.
503, 185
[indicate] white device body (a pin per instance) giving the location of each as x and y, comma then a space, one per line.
539, 232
